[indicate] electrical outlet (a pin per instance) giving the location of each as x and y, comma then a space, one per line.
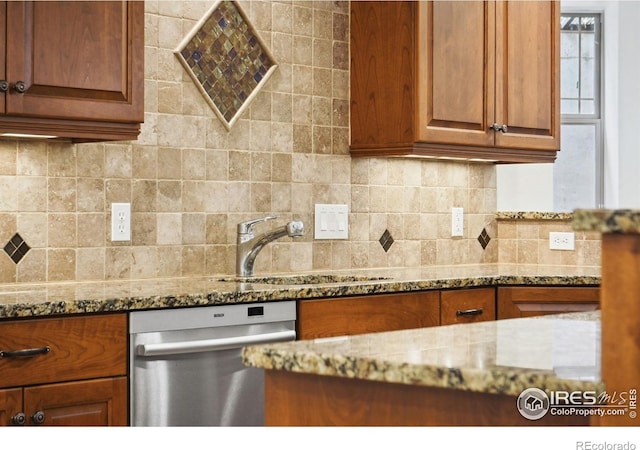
457, 222
562, 241
121, 221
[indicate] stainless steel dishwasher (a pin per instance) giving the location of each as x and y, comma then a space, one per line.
186, 367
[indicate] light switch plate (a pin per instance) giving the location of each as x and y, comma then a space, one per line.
457, 222
331, 221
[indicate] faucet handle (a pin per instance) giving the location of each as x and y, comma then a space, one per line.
247, 226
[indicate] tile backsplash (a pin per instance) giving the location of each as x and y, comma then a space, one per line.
190, 180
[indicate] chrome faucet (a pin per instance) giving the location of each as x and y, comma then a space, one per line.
250, 245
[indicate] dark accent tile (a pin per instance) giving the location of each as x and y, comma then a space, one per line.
16, 248
386, 240
484, 238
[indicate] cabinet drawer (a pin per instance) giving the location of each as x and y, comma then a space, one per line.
467, 306
366, 314
527, 301
78, 348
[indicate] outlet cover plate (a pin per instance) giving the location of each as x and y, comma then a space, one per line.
562, 240
120, 222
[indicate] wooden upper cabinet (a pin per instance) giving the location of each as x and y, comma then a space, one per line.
528, 74
80, 66
433, 78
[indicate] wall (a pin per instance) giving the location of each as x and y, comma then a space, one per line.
190, 181
527, 242
621, 112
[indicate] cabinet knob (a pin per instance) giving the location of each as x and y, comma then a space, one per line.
496, 127
4, 86
20, 87
19, 419
38, 417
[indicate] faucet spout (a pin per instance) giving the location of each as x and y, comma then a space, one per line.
249, 246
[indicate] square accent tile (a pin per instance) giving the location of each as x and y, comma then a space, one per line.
386, 240
16, 248
226, 59
484, 238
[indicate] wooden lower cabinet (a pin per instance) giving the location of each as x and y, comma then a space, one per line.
101, 402
527, 301
367, 314
300, 399
79, 379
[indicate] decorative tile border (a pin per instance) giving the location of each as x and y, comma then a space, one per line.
226, 59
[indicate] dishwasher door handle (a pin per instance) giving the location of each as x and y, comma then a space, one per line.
209, 345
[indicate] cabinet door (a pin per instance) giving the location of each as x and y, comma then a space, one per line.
515, 302
382, 74
456, 72
3, 32
101, 402
10, 405
467, 306
367, 314
528, 74
78, 60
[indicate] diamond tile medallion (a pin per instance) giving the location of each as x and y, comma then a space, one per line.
16, 248
226, 59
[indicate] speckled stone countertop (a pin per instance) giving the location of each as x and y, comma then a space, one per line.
35, 300
607, 220
560, 352
533, 215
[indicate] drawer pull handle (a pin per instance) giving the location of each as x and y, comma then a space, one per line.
25, 353
469, 312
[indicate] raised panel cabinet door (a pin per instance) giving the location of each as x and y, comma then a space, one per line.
101, 402
456, 72
10, 405
382, 74
367, 314
3, 32
77, 60
528, 74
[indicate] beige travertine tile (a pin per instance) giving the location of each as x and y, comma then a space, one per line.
32, 268
90, 264
32, 158
92, 230
61, 264
62, 231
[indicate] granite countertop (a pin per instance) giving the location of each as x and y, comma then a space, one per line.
607, 221
35, 300
560, 352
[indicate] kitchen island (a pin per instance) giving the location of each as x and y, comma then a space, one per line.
511, 372
469, 374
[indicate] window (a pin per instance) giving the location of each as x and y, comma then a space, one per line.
578, 170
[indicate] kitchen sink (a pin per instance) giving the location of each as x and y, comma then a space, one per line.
302, 279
